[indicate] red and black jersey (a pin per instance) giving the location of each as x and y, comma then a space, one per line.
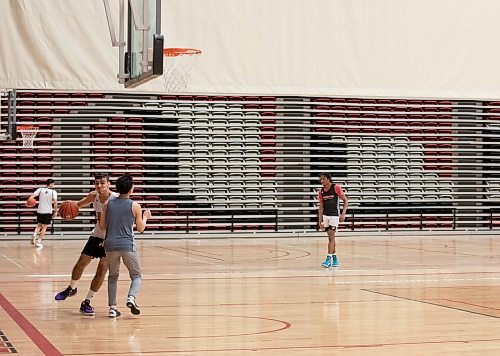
330, 199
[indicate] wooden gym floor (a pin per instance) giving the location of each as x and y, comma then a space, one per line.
411, 295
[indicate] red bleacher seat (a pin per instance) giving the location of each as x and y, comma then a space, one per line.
135, 127
102, 136
219, 98
60, 111
269, 138
268, 113
135, 136
118, 151
95, 95
117, 119
135, 119
43, 103
118, 128
119, 169
444, 108
168, 97
100, 152
42, 135
135, 170
101, 167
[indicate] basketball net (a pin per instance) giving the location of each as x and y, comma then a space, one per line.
177, 66
28, 133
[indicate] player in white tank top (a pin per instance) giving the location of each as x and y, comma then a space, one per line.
98, 206
93, 248
47, 209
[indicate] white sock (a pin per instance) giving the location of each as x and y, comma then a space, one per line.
90, 294
331, 255
73, 284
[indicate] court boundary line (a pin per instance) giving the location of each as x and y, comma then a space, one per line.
430, 303
29, 329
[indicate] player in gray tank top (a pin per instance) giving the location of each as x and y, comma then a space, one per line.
118, 218
120, 222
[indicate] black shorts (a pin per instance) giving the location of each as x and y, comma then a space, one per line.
92, 248
44, 219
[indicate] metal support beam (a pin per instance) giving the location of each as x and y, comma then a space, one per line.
121, 43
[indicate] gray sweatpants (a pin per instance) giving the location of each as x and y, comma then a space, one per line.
131, 261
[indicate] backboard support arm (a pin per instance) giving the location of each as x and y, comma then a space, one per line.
121, 43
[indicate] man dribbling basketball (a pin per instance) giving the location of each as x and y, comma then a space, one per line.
93, 248
47, 209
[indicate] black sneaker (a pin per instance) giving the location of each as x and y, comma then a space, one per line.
134, 308
86, 308
68, 292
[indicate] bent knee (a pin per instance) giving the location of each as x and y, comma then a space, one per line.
113, 277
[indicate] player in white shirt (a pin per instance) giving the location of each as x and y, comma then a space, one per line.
93, 248
47, 209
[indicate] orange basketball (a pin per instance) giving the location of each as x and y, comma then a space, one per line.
31, 202
68, 210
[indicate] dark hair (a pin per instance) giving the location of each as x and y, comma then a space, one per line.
49, 181
124, 184
326, 175
98, 176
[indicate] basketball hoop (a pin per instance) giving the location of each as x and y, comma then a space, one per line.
28, 133
177, 67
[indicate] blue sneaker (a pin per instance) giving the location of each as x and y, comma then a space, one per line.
68, 292
328, 262
86, 308
335, 262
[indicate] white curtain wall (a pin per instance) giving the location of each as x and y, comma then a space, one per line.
401, 48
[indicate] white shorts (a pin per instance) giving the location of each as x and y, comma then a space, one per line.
330, 221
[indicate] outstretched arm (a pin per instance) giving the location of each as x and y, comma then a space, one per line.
87, 200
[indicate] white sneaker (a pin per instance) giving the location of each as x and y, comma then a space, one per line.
33, 239
113, 313
38, 243
134, 308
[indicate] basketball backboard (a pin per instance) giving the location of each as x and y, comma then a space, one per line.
144, 56
140, 40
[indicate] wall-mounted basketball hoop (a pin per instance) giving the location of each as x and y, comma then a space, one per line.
177, 66
28, 133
